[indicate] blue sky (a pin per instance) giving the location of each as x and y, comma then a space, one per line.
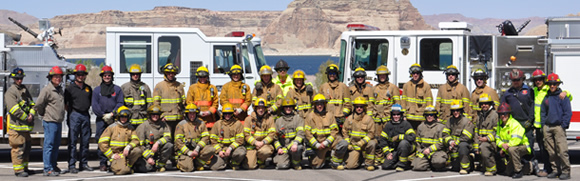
504, 9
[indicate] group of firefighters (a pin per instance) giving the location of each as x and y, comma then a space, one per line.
344, 127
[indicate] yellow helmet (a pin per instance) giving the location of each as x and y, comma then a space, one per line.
155, 109
266, 70
123, 111
227, 108
298, 74
169, 67
415, 68
236, 69
456, 104
319, 98
260, 102
135, 69
332, 68
202, 72
360, 101
288, 101
359, 72
430, 110
485, 98
191, 108
383, 70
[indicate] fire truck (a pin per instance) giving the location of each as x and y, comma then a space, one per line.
453, 44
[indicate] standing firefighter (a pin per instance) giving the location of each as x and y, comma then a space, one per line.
485, 132
480, 78
459, 137
452, 91
358, 131
154, 136
266, 89
205, 96
416, 96
339, 105
290, 133
227, 141
512, 142
283, 80
321, 132
21, 121
397, 141
359, 88
259, 132
116, 143
236, 93
302, 93
170, 96
191, 138
77, 97
137, 96
431, 152
385, 94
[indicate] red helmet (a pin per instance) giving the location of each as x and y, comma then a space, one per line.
517, 74
106, 69
80, 68
538, 74
54, 71
504, 108
554, 78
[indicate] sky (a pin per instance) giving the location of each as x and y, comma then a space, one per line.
503, 9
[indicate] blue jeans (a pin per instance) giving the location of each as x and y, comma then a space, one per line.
79, 125
52, 137
101, 126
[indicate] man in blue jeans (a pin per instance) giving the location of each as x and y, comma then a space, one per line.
50, 105
77, 97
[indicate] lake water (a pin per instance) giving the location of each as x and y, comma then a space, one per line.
309, 64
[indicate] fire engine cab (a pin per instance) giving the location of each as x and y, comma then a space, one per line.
454, 44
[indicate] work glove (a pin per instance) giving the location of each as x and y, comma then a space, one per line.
239, 110
326, 143
108, 118
350, 148
360, 143
309, 89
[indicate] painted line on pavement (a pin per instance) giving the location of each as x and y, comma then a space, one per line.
442, 177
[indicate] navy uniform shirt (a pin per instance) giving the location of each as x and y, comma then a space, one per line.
521, 102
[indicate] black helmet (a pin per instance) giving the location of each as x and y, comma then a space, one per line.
281, 65
17, 73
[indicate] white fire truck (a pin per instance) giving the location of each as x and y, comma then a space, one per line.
454, 44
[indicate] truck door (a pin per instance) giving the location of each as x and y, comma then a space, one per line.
368, 53
167, 50
134, 49
226, 55
434, 54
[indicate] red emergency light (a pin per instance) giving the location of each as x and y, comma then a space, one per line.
236, 34
361, 27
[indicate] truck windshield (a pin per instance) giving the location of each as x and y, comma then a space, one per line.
369, 54
260, 60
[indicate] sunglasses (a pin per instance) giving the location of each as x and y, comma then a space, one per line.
429, 115
553, 84
17, 78
516, 80
478, 78
80, 75
356, 107
282, 70
107, 75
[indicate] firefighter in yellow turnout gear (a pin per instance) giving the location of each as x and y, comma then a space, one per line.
267, 90
385, 95
260, 133
170, 96
359, 132
323, 136
431, 151
451, 91
227, 141
19, 103
416, 96
154, 138
339, 99
480, 78
137, 95
290, 133
484, 138
397, 141
205, 96
191, 138
115, 143
236, 93
512, 142
360, 88
301, 92
458, 135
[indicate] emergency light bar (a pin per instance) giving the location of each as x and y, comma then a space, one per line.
236, 34
361, 27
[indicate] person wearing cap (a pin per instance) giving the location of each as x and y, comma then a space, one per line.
290, 137
205, 97
337, 93
138, 96
302, 92
484, 139
397, 141
77, 98
283, 80
153, 138
259, 133
480, 77
170, 96
50, 105
236, 93
266, 89
458, 136
452, 90
431, 152
116, 143
512, 142
191, 138
360, 88
227, 141
556, 114
359, 132
385, 95
416, 96
106, 99
20, 120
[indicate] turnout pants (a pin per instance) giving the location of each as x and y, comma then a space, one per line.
557, 147
123, 165
186, 163
283, 161
488, 151
460, 156
234, 160
435, 161
400, 156
20, 153
354, 156
339, 146
515, 160
257, 157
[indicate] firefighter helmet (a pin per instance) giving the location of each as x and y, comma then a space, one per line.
359, 72
456, 105
298, 74
485, 98
451, 70
479, 73
319, 98
123, 111
517, 74
383, 70
169, 67
415, 68
17, 73
288, 101
155, 109
266, 70
202, 72
332, 68
504, 108
228, 108
236, 69
261, 102
54, 71
191, 108
135, 69
553, 78
397, 109
538, 74
360, 101
80, 68
281, 65
430, 110
106, 69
